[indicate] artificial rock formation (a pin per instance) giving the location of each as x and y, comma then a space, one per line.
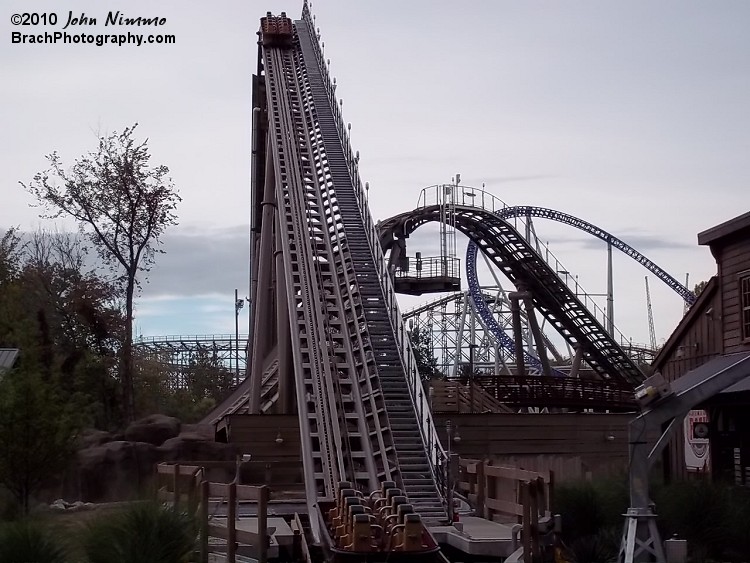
110, 468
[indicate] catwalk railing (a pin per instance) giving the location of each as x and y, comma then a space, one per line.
472, 197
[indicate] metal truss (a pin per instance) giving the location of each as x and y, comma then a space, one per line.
519, 261
613, 242
455, 329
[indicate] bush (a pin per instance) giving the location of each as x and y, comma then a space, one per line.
598, 548
144, 533
30, 541
580, 508
592, 518
712, 517
590, 507
10, 508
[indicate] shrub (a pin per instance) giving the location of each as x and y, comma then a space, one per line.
598, 548
712, 517
588, 507
30, 541
10, 508
144, 533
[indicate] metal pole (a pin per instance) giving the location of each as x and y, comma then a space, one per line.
515, 309
471, 376
236, 338
610, 293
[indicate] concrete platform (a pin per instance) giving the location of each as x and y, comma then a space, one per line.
477, 536
281, 533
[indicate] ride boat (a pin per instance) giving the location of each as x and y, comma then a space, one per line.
375, 528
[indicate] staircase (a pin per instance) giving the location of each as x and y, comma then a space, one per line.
415, 471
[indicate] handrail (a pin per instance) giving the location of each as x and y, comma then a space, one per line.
480, 199
195, 337
435, 453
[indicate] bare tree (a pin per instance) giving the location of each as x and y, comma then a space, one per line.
123, 206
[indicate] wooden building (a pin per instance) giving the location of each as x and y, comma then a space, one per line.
717, 324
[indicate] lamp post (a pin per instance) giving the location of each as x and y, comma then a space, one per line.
452, 468
238, 304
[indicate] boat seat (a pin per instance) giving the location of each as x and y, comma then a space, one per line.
343, 514
380, 493
361, 535
398, 517
386, 499
343, 532
342, 494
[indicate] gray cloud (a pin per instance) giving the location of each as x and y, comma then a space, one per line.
642, 242
201, 261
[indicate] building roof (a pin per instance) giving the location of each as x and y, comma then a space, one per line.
7, 358
727, 362
724, 229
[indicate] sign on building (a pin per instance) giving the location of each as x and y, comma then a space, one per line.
696, 441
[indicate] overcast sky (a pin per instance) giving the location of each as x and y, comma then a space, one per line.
631, 115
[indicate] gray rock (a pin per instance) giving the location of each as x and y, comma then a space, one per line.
154, 429
93, 437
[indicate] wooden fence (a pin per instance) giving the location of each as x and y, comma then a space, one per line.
456, 397
185, 485
511, 494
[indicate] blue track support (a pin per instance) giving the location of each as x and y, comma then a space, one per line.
529, 211
523, 266
489, 320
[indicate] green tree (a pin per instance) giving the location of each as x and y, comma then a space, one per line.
421, 345
187, 392
699, 287
37, 433
11, 249
67, 320
123, 205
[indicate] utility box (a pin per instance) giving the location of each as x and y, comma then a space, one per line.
675, 550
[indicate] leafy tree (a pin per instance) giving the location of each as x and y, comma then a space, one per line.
10, 253
699, 287
37, 433
186, 392
421, 345
123, 206
67, 320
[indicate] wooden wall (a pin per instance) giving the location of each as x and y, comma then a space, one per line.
575, 445
697, 339
596, 443
733, 258
256, 435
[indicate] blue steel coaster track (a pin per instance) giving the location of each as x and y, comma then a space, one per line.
541, 212
516, 258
